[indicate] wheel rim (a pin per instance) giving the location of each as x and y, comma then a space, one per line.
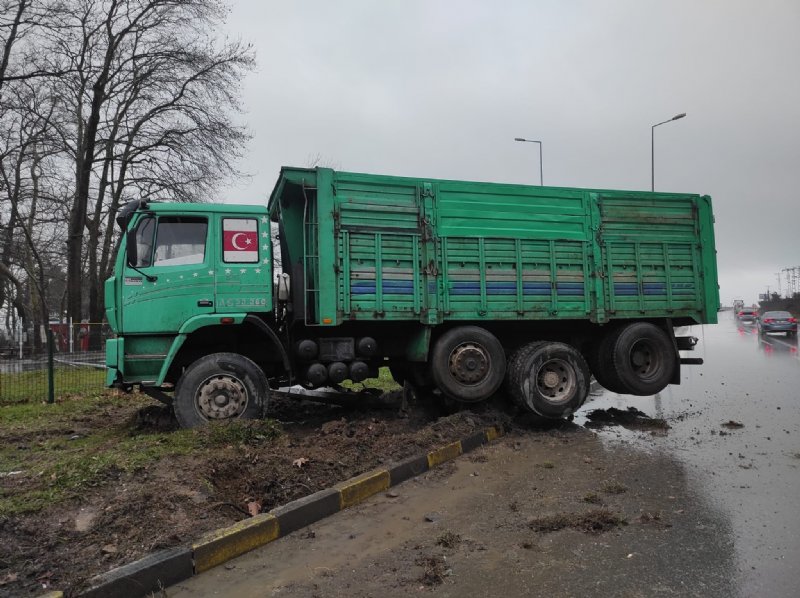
645, 359
221, 396
469, 364
556, 381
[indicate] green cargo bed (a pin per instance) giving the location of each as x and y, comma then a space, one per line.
371, 247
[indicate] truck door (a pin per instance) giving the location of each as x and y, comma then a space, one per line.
244, 269
173, 279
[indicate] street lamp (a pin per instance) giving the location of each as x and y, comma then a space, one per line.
653, 148
541, 171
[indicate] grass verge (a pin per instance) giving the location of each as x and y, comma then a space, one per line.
51, 453
26, 387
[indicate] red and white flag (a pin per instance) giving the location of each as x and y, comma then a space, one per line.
240, 240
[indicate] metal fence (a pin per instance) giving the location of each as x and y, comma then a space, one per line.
30, 373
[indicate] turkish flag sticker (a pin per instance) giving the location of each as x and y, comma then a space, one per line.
240, 240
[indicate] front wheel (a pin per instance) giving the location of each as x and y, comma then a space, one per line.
220, 386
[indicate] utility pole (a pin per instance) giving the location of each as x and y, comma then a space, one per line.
792, 280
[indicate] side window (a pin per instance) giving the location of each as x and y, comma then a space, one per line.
145, 230
240, 240
180, 241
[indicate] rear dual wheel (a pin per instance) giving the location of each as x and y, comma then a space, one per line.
637, 359
468, 364
549, 379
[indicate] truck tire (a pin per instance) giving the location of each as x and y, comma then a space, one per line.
602, 365
549, 379
643, 359
468, 364
220, 386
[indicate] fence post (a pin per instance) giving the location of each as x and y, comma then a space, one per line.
71, 337
51, 391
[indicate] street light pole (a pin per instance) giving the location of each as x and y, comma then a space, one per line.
653, 148
541, 170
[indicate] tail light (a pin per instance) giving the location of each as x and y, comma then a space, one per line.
768, 320
793, 320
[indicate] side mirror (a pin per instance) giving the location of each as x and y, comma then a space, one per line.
130, 248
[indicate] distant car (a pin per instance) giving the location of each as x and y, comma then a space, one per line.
777, 321
747, 315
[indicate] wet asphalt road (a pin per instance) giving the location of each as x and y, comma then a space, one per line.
750, 474
731, 494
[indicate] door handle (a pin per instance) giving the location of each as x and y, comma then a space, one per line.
205, 303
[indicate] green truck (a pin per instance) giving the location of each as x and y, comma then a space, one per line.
466, 287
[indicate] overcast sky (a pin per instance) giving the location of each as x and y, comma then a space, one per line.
441, 88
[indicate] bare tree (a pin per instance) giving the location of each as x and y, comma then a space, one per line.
137, 99
148, 95
28, 237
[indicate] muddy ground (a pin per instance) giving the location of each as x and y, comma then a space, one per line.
538, 513
121, 511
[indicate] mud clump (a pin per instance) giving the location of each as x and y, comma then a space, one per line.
613, 487
155, 418
592, 498
449, 540
595, 521
434, 570
733, 425
655, 519
630, 418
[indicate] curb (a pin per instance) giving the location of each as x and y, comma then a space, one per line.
167, 567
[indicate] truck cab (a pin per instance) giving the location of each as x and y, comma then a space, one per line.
182, 269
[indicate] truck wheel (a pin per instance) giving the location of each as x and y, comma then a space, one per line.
468, 364
643, 359
549, 379
220, 386
602, 366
